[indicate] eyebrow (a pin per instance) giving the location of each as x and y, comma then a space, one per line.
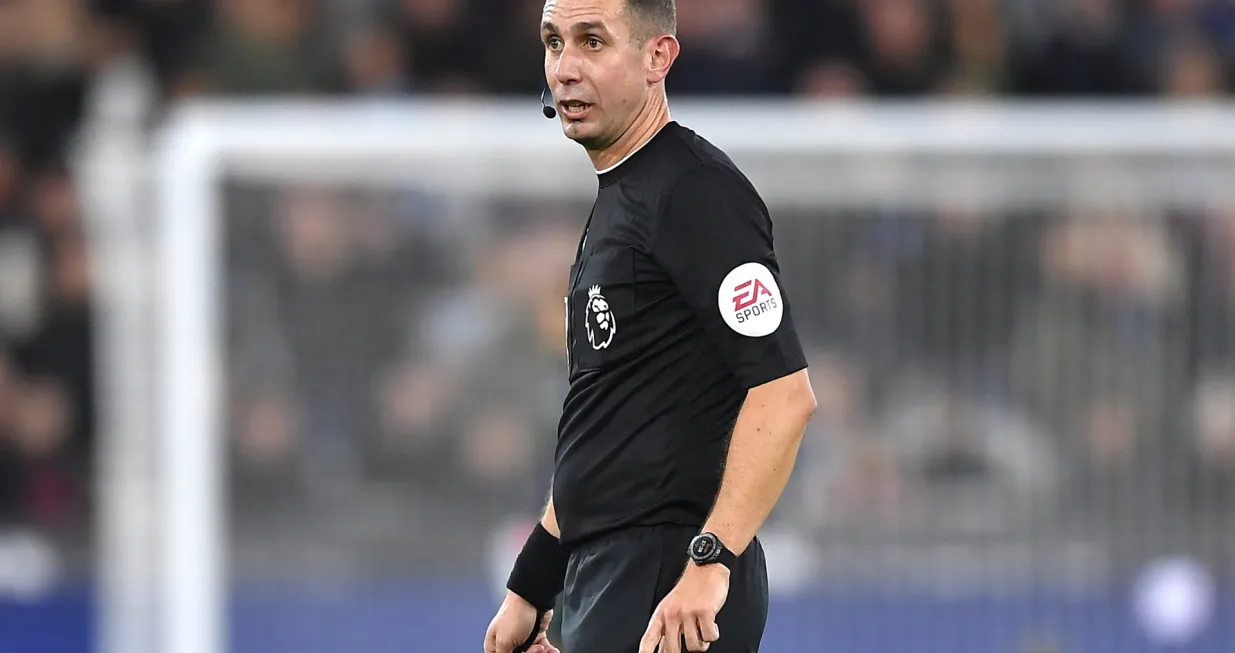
585, 26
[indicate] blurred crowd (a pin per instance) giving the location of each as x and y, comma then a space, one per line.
54, 50
46, 357
992, 377
394, 372
985, 379
977, 374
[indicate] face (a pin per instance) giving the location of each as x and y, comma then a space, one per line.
598, 72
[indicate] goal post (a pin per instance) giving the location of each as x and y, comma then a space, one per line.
188, 273
798, 154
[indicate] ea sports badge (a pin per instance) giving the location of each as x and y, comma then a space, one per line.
750, 301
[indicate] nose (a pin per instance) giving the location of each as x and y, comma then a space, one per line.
567, 69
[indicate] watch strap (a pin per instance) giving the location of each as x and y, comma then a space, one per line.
720, 555
726, 557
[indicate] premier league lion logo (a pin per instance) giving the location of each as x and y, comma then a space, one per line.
599, 320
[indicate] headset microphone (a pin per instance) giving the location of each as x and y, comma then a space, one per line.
546, 106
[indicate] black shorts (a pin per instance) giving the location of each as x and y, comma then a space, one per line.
614, 584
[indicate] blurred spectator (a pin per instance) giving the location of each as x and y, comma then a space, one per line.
834, 79
434, 31
1172, 34
981, 48
1106, 322
259, 47
726, 48
849, 479
1191, 69
1088, 55
976, 467
42, 75
1208, 475
960, 284
1211, 291
334, 331
51, 489
903, 51
376, 63
11, 463
1111, 459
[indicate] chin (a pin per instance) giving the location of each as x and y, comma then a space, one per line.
587, 135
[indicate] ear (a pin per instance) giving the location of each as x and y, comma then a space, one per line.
662, 51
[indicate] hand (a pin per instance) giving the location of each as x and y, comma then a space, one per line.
513, 623
689, 610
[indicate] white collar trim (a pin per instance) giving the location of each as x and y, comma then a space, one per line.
632, 153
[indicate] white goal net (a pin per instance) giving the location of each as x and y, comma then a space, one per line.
1020, 323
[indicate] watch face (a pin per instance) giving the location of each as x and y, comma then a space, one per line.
703, 548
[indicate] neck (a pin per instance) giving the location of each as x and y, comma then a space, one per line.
652, 117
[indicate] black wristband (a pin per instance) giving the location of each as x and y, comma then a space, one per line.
540, 570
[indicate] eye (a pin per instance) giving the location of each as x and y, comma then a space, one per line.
553, 43
593, 43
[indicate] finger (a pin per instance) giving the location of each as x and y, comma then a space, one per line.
543, 641
651, 637
491, 640
708, 630
690, 633
525, 643
671, 639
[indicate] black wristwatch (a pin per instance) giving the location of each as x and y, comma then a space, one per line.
707, 549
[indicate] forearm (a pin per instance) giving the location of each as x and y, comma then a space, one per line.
549, 519
762, 452
540, 568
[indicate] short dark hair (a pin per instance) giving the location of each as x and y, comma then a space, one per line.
652, 18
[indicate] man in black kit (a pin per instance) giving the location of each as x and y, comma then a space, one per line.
688, 386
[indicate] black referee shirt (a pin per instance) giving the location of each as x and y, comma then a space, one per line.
675, 309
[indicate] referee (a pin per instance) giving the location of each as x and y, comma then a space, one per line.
688, 386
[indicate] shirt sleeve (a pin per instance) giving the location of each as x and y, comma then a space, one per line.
714, 239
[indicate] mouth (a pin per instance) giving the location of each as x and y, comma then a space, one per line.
573, 109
